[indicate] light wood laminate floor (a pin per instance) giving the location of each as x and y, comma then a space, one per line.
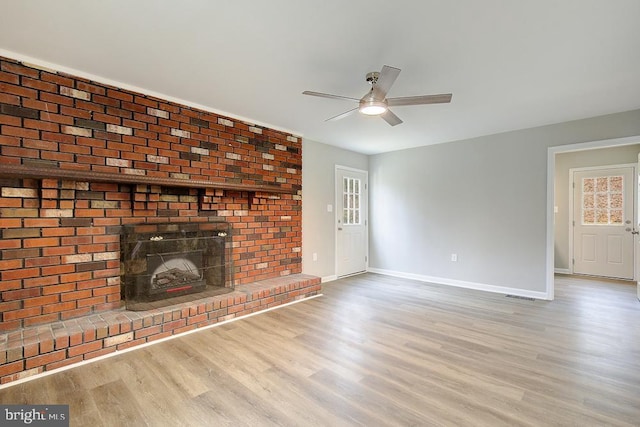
379, 351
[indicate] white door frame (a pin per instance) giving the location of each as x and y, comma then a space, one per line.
335, 216
551, 177
571, 207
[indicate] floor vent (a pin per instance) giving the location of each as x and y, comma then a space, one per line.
520, 297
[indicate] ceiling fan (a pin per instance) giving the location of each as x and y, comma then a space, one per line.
375, 102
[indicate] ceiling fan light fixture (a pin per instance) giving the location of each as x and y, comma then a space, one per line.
372, 107
375, 102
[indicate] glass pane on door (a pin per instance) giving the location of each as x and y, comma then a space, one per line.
603, 200
351, 201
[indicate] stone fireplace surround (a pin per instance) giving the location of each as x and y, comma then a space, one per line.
80, 160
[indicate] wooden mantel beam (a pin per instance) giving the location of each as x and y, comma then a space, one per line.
22, 171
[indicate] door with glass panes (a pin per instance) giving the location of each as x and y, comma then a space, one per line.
603, 222
351, 221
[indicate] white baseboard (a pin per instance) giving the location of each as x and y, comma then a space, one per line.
561, 271
328, 278
463, 284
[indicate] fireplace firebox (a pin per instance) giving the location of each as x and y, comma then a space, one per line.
166, 263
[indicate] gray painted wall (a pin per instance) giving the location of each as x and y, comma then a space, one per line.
483, 199
580, 159
318, 191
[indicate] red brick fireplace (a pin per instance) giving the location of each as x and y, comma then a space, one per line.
78, 161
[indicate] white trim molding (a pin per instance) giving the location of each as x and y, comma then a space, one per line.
326, 279
462, 284
55, 68
562, 271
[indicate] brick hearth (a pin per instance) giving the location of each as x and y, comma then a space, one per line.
34, 350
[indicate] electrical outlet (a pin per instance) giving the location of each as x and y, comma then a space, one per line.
315, 256
454, 257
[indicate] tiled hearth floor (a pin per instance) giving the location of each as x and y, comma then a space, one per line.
33, 350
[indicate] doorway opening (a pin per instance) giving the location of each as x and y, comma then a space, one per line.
558, 221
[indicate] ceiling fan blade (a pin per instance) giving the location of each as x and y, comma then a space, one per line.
420, 100
342, 115
328, 95
391, 118
387, 77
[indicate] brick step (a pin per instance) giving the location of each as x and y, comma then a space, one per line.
31, 351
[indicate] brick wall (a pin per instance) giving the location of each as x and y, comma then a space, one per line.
59, 239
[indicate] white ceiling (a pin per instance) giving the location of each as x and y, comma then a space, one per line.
509, 64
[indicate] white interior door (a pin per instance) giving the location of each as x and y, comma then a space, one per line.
351, 221
637, 219
604, 222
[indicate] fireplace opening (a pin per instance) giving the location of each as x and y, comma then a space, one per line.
175, 272
164, 264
